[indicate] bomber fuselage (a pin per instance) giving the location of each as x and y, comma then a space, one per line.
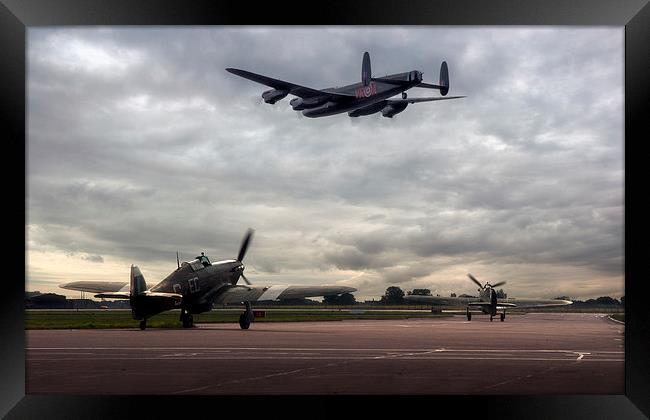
364, 96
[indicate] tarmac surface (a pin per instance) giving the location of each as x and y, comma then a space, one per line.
535, 353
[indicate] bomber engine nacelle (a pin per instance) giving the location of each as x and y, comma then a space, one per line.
370, 109
274, 95
393, 109
299, 104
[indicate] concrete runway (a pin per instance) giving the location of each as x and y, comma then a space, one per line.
537, 353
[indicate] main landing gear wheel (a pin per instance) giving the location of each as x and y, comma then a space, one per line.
247, 317
187, 319
143, 324
243, 323
469, 315
503, 317
490, 318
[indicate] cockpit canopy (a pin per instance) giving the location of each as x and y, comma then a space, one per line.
199, 263
194, 265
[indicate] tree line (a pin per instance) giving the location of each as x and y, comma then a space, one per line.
394, 295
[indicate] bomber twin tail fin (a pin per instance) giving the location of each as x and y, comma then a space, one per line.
366, 73
443, 83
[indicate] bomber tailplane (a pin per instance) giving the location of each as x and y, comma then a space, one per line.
443, 82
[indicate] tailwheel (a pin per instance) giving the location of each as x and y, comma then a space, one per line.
503, 317
143, 324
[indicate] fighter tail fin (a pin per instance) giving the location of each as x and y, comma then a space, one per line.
366, 73
493, 301
138, 285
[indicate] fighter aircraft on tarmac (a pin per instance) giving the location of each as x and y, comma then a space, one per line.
364, 98
487, 301
195, 286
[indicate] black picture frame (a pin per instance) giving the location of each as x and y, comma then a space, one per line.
17, 15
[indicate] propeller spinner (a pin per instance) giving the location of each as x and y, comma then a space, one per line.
496, 284
487, 285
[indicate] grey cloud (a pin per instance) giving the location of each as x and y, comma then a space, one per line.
93, 258
162, 150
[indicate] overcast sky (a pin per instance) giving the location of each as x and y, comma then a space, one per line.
141, 144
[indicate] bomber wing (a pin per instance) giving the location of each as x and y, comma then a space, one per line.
416, 100
292, 88
96, 286
240, 293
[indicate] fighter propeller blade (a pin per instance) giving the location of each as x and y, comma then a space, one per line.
244, 244
245, 279
474, 280
498, 284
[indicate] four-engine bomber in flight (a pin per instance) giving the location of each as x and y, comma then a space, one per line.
195, 286
369, 96
487, 301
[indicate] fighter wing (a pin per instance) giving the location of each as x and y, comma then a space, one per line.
292, 88
115, 295
96, 286
499, 304
536, 303
436, 300
415, 100
177, 297
453, 301
238, 294
479, 303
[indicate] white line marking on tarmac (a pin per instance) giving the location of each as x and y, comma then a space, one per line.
396, 357
317, 349
518, 378
261, 377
